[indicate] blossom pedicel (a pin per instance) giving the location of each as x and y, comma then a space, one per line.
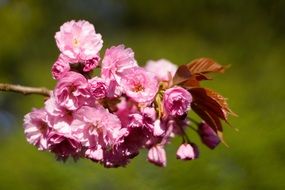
110, 118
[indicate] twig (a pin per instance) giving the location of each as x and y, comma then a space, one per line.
26, 90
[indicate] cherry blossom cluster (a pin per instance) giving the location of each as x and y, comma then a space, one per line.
111, 117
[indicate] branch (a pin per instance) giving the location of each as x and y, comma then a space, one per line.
26, 90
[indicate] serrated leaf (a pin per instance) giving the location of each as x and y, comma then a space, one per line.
204, 66
213, 101
182, 74
211, 119
190, 75
211, 107
221, 101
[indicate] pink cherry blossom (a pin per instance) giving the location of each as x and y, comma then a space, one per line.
149, 117
53, 108
60, 67
64, 146
176, 101
95, 126
71, 91
135, 120
114, 90
94, 153
116, 60
208, 135
157, 155
162, 68
124, 110
144, 119
36, 128
139, 84
97, 88
61, 124
109, 119
187, 152
78, 40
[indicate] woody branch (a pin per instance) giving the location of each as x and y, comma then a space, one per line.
26, 90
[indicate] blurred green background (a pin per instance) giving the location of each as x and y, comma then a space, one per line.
249, 35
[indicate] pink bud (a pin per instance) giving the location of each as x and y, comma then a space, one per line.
187, 152
208, 135
60, 67
90, 64
158, 128
157, 155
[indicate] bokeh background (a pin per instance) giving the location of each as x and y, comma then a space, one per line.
249, 35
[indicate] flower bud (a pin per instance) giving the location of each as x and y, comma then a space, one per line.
208, 135
157, 155
90, 64
187, 152
60, 67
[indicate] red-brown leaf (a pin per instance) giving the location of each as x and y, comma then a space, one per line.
211, 107
211, 119
212, 101
204, 66
182, 74
189, 75
221, 101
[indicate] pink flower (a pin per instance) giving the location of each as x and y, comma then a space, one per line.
36, 128
78, 41
149, 117
97, 88
116, 60
139, 85
95, 154
157, 155
176, 101
144, 119
124, 109
135, 120
53, 108
60, 67
63, 146
99, 131
61, 124
187, 152
208, 135
71, 91
114, 90
162, 68
95, 126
